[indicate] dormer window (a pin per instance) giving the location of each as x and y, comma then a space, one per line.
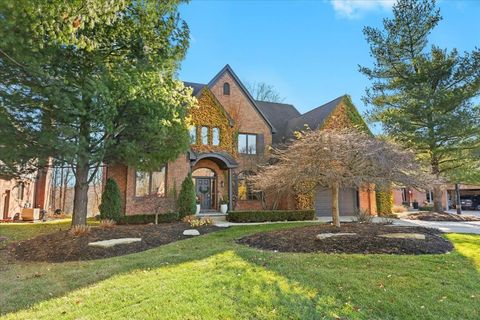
226, 89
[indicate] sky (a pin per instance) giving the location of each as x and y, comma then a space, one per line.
308, 50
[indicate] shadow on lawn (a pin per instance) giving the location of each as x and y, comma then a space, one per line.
215, 276
26, 283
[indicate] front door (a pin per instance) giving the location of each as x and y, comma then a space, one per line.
203, 188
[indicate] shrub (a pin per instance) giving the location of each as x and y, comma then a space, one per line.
195, 221
187, 199
111, 206
398, 209
384, 202
79, 230
362, 216
149, 218
425, 208
274, 215
107, 224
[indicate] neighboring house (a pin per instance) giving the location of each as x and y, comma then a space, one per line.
16, 194
230, 136
408, 196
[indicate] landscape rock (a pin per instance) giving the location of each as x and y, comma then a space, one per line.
191, 232
322, 236
112, 242
416, 236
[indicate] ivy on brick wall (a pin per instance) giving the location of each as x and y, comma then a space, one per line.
345, 115
211, 114
384, 202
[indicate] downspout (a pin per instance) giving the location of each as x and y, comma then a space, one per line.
230, 202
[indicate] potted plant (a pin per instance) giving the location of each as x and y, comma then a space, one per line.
197, 200
224, 205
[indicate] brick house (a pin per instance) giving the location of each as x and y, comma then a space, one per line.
29, 192
230, 135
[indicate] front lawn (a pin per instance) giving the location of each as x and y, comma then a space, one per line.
212, 277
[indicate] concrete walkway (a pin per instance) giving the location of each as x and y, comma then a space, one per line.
455, 227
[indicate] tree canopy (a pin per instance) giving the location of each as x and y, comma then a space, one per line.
264, 92
423, 95
91, 83
337, 159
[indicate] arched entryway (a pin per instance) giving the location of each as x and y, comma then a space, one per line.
212, 175
206, 187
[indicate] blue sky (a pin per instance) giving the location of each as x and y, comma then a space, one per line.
308, 50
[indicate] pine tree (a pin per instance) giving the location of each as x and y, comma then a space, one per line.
111, 205
423, 96
187, 197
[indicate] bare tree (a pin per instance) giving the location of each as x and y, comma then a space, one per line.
264, 92
336, 159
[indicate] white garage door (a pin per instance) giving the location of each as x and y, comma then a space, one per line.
347, 199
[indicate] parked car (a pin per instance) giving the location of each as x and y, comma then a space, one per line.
467, 204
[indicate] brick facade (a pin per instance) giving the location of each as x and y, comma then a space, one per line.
11, 199
242, 115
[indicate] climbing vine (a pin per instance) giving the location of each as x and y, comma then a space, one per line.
211, 114
345, 115
384, 200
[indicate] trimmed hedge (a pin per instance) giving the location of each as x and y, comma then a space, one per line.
272, 215
425, 208
149, 218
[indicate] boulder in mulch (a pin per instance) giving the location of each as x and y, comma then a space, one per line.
113, 242
322, 236
191, 232
367, 239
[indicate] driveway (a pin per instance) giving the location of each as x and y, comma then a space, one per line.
456, 227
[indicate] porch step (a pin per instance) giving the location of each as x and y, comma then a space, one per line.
211, 214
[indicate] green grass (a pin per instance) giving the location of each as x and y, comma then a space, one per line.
211, 277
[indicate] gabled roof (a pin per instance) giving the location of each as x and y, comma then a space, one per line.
313, 118
197, 87
197, 90
228, 69
278, 114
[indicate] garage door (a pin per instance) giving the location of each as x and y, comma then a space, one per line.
347, 199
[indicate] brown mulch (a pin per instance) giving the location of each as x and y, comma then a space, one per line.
366, 241
435, 216
62, 246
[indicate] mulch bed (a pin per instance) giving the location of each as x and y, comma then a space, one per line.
434, 216
61, 246
366, 240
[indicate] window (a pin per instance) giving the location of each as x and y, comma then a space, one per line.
193, 135
245, 187
149, 183
226, 89
204, 135
247, 143
215, 136
21, 190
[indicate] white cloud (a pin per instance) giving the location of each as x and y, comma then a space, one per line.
353, 9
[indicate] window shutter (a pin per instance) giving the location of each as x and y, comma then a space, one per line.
260, 144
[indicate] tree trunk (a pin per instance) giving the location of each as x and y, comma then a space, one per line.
457, 199
80, 199
437, 190
335, 210
437, 198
